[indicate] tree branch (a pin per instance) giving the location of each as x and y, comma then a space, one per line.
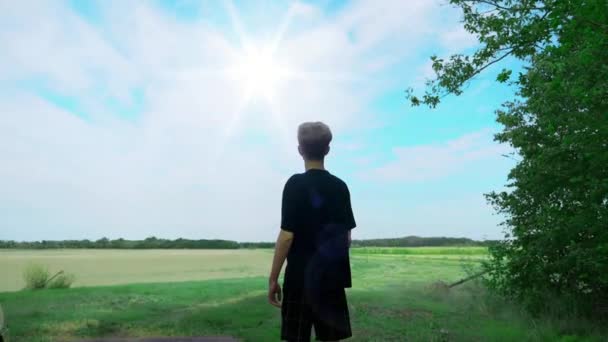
598, 25
478, 71
491, 4
508, 9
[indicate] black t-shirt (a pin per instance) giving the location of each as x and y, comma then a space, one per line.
316, 209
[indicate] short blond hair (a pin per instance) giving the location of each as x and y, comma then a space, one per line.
314, 139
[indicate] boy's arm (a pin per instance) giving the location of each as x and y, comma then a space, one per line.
280, 254
350, 239
350, 218
289, 210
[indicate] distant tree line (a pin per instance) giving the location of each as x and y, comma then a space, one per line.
105, 243
156, 243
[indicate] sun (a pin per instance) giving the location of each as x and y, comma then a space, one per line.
258, 73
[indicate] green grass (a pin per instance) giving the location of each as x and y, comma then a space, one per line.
390, 301
443, 251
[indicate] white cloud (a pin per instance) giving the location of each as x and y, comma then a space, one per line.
434, 161
374, 22
185, 167
425, 73
460, 215
457, 40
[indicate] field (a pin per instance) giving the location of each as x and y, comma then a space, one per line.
202, 292
112, 267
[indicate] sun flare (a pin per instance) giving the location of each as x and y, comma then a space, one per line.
259, 73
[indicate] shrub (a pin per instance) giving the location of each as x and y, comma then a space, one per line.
35, 276
62, 281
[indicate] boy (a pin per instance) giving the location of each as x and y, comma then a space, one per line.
316, 223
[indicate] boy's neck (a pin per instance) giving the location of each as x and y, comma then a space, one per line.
314, 165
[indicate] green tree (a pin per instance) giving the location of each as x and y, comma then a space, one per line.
556, 206
104, 242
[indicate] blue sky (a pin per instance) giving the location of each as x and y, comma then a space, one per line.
178, 118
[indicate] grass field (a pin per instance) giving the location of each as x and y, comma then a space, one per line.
190, 293
442, 251
112, 267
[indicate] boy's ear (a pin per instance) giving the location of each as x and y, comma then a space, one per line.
300, 150
327, 152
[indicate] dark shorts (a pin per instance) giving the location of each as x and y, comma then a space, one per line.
327, 312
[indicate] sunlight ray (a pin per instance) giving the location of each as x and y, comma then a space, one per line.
261, 77
323, 76
196, 73
285, 22
235, 20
